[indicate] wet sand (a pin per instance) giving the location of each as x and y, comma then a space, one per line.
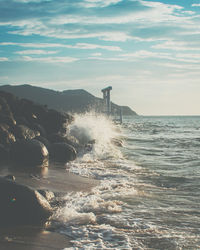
31, 238
55, 178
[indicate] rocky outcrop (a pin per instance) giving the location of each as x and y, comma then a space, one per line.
29, 153
62, 152
28, 131
21, 205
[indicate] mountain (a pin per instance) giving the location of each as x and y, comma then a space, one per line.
77, 100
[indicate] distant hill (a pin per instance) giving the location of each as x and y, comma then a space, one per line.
77, 100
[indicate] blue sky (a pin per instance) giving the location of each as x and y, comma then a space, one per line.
149, 51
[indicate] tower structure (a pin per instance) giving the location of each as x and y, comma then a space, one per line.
106, 98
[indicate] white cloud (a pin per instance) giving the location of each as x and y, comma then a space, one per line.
197, 56
98, 3
178, 45
4, 59
49, 59
57, 45
93, 46
35, 52
146, 54
63, 34
196, 5
96, 54
181, 66
31, 1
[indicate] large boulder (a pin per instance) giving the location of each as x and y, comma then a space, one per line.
6, 137
44, 140
66, 138
54, 121
21, 205
24, 132
38, 127
62, 152
29, 152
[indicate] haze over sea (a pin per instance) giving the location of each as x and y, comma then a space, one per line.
148, 196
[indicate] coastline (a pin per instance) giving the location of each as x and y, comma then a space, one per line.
55, 179
32, 238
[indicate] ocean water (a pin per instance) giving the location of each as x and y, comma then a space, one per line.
149, 191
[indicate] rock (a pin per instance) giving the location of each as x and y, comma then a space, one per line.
6, 115
62, 152
10, 177
20, 120
38, 127
49, 195
7, 120
29, 152
117, 142
54, 121
21, 205
44, 141
4, 154
6, 137
24, 132
57, 138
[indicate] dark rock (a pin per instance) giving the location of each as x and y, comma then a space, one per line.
23, 132
117, 142
10, 177
29, 152
6, 115
88, 147
11, 101
44, 141
62, 152
49, 195
21, 205
6, 137
55, 122
7, 120
20, 120
57, 138
4, 154
38, 127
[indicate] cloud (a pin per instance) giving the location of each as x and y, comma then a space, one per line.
146, 54
98, 3
97, 54
107, 20
49, 59
93, 46
178, 46
181, 66
57, 45
196, 5
35, 52
4, 59
31, 1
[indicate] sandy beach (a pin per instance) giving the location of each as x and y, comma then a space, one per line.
57, 179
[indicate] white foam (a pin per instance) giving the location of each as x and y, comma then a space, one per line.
84, 213
90, 126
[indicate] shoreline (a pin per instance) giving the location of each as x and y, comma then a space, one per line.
56, 179
32, 238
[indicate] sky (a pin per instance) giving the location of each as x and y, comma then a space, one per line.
148, 51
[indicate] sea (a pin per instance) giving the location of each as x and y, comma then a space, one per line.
148, 196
